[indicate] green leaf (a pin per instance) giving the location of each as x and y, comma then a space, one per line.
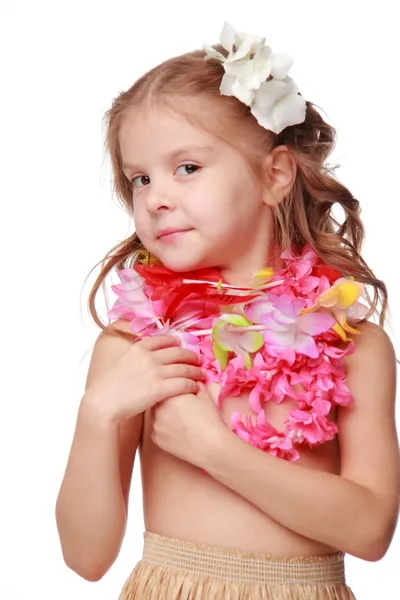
236, 320
246, 360
221, 355
215, 336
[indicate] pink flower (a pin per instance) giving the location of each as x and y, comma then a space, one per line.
285, 327
132, 303
262, 374
281, 387
335, 352
282, 447
300, 269
232, 333
287, 355
264, 436
341, 394
275, 342
258, 308
187, 340
303, 378
236, 378
312, 426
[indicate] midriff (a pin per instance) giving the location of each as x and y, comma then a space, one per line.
180, 501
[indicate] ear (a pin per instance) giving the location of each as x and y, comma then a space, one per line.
279, 171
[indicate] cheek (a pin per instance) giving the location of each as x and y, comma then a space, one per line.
142, 228
139, 217
235, 225
222, 229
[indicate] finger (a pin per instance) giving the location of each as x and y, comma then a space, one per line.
157, 342
177, 355
179, 385
182, 370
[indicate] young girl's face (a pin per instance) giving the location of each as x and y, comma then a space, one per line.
195, 200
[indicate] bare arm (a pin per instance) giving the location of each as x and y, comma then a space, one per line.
355, 511
91, 509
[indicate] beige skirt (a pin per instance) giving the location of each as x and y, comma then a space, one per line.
173, 569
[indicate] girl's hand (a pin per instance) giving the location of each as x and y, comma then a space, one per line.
188, 426
149, 371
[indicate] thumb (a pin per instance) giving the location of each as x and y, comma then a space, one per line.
202, 388
204, 392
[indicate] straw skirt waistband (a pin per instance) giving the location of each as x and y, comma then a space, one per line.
173, 569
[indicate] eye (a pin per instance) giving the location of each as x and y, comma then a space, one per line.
138, 180
191, 168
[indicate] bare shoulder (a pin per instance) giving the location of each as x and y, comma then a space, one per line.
373, 347
372, 331
107, 349
372, 369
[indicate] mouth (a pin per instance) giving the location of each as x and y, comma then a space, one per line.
170, 234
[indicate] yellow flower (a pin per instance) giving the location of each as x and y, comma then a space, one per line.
342, 294
263, 276
148, 259
340, 299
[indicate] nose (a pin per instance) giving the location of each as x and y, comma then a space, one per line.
157, 198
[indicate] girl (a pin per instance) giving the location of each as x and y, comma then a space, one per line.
239, 358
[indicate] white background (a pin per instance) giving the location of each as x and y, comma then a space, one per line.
61, 66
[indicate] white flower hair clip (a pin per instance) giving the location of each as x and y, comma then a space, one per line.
258, 77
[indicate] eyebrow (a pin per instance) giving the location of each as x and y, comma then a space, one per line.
174, 153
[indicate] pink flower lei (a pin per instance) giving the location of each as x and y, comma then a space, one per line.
268, 339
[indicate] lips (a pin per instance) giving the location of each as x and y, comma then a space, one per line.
169, 231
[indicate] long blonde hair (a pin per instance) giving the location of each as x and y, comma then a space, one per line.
304, 217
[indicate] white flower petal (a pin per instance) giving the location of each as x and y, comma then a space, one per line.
276, 103
212, 53
272, 91
242, 94
264, 117
241, 69
230, 86
247, 44
262, 64
226, 87
227, 37
288, 110
281, 64
252, 80
251, 72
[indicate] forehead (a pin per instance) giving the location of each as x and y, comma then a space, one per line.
158, 128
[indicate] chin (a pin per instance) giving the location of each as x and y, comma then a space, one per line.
183, 263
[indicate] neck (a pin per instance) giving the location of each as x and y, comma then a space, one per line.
243, 275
